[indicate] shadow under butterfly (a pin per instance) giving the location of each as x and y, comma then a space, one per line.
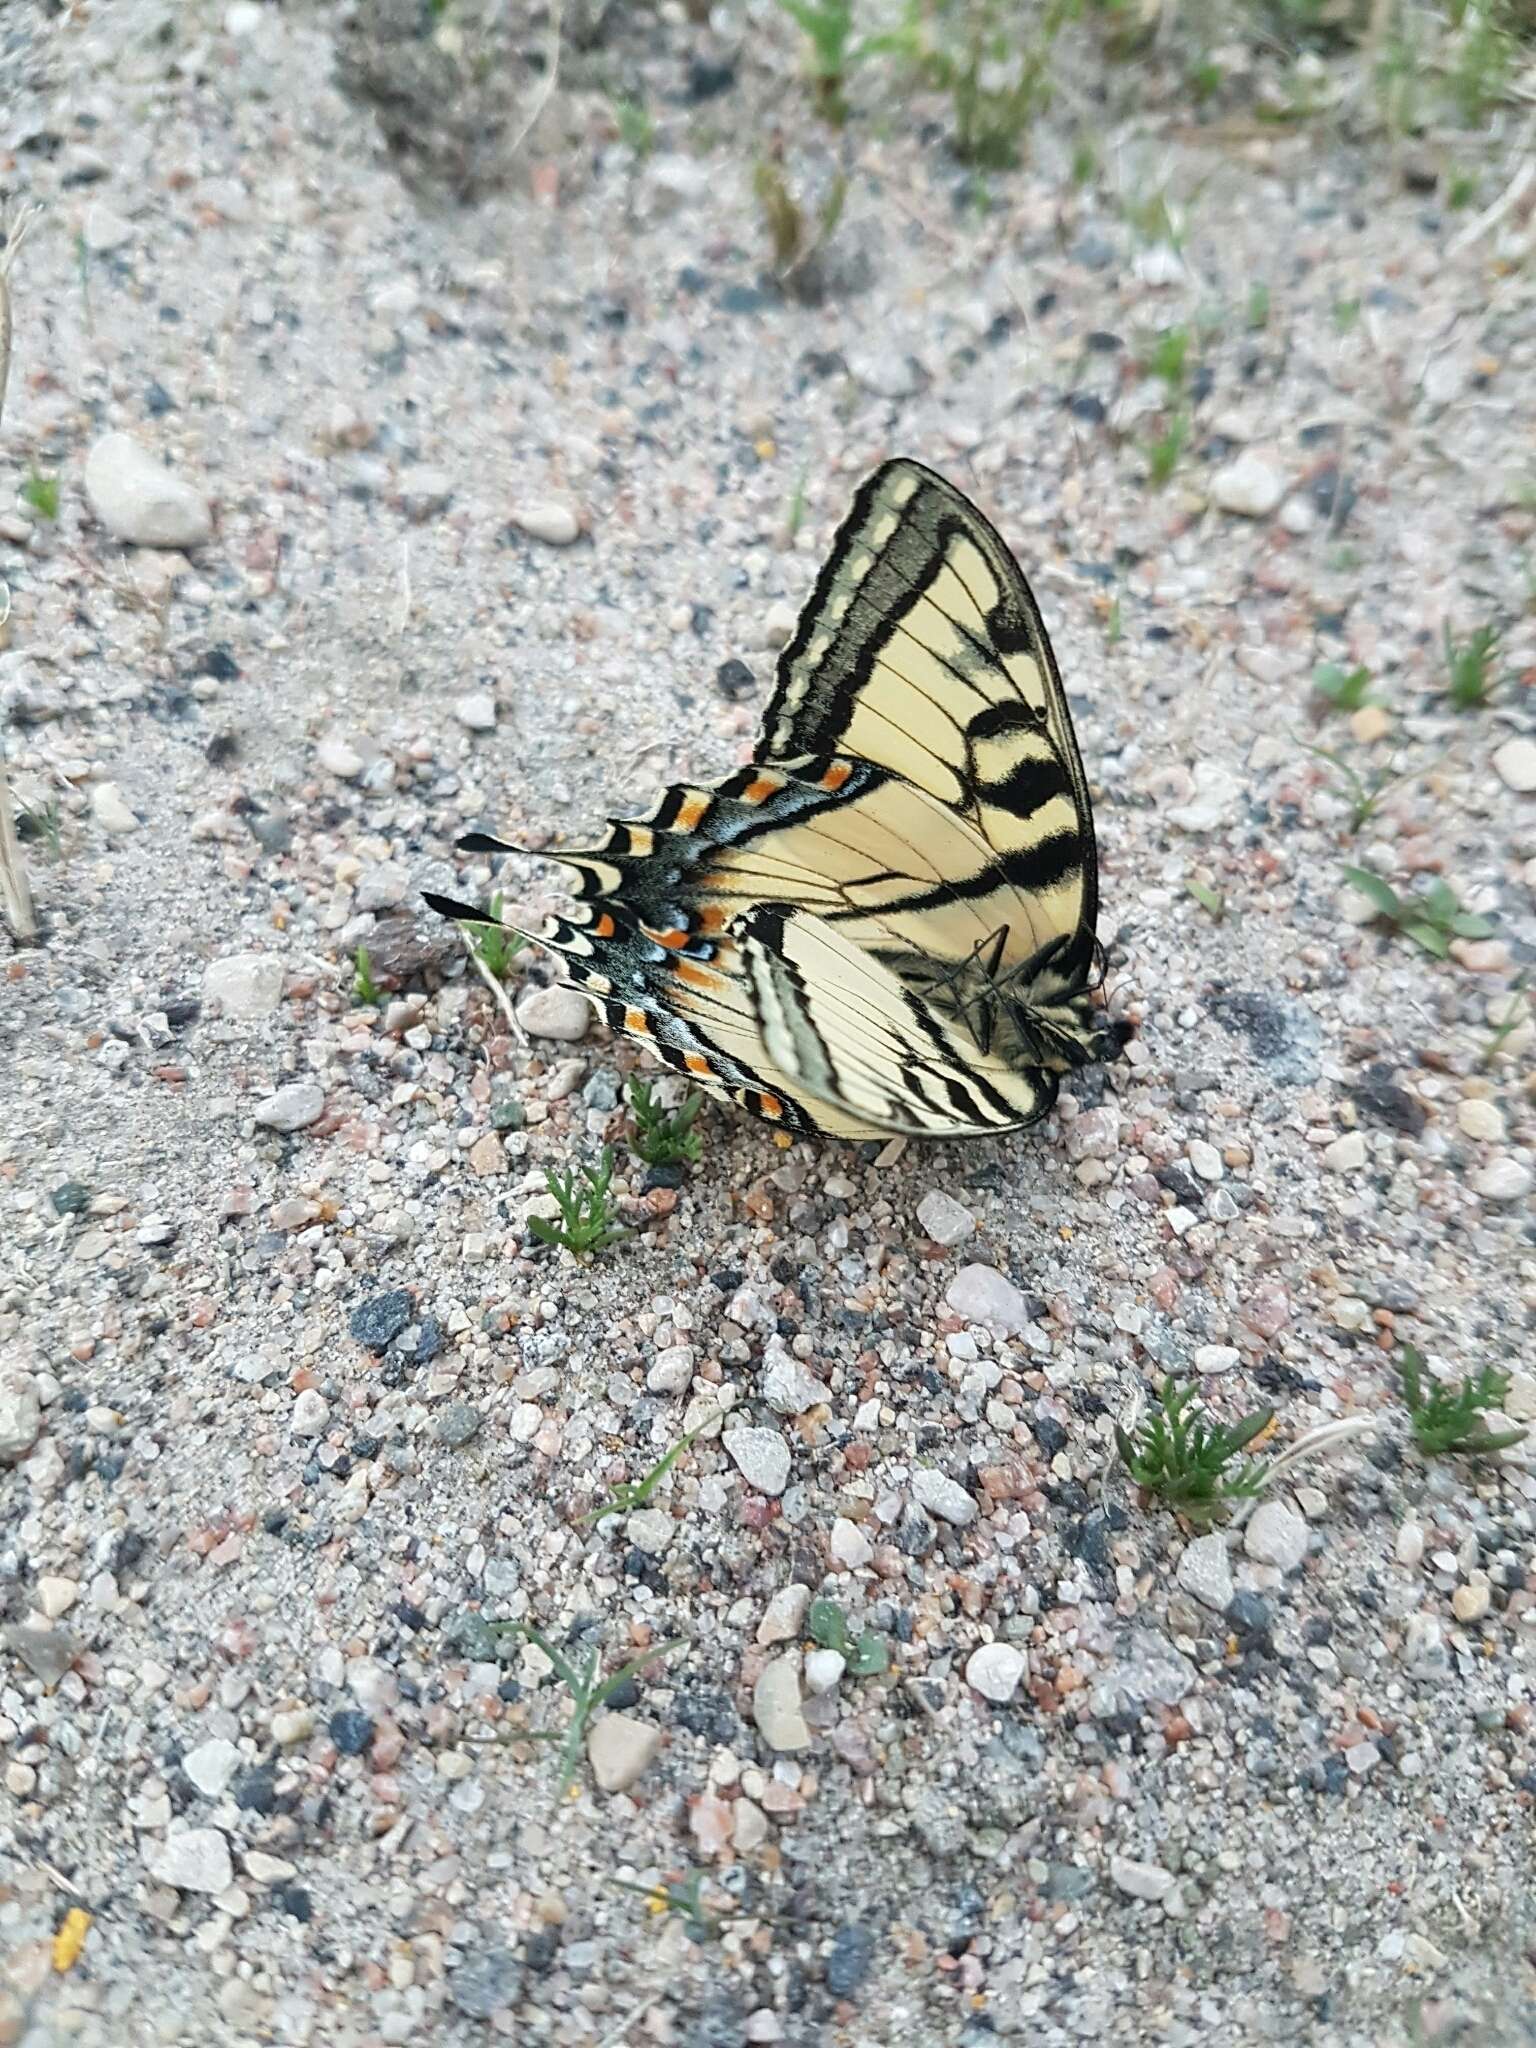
885, 924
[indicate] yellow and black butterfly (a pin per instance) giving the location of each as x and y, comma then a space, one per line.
884, 924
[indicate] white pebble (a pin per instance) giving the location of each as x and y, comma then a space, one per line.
850, 1547
1214, 1358
619, 1748
195, 1860
1346, 1154
1140, 1880
995, 1671
784, 1615
1480, 1120
671, 1370
311, 1413
111, 812
944, 1497
138, 499
246, 984
983, 1295
21, 1416
293, 1108
823, 1668
558, 1011
1251, 485
1205, 1160
1515, 764
1503, 1180
547, 520
1205, 1570
338, 757
943, 1218
776, 1704
211, 1766
1408, 1548
788, 1386
476, 711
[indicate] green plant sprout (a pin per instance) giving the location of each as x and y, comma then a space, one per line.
587, 1694
677, 1895
1346, 689
364, 987
1169, 356
634, 1493
44, 822
587, 1211
1256, 313
1210, 900
665, 1137
792, 239
637, 131
1431, 919
865, 1656
1365, 796
1450, 1419
42, 494
832, 50
1163, 454
491, 941
1469, 667
1514, 1016
1184, 1461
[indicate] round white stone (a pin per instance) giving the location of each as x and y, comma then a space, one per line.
111, 812
995, 1671
246, 984
476, 711
1480, 1120
547, 520
776, 1704
1515, 765
1276, 1535
1503, 1180
1252, 485
293, 1108
983, 1295
558, 1011
311, 1413
138, 499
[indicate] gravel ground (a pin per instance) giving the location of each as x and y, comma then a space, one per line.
471, 506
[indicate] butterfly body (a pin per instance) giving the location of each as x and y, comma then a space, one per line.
885, 922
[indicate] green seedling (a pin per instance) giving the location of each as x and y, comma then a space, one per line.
665, 1137
637, 131
793, 239
634, 1493
1346, 689
44, 822
364, 987
1469, 668
1210, 900
42, 494
680, 1896
1514, 1016
1450, 1420
587, 1693
865, 1656
1256, 314
587, 1211
1188, 1463
1163, 454
1169, 357
1431, 919
1114, 623
1346, 313
1365, 795
833, 50
493, 942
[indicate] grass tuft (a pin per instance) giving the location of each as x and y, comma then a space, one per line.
634, 1493
665, 1137
1469, 668
1430, 919
587, 1210
364, 987
1449, 1420
588, 1693
1188, 1463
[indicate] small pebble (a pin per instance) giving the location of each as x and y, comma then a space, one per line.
983, 1295
619, 1748
944, 1220
457, 1424
776, 1705
823, 1669
338, 757
111, 812
1205, 1570
944, 1497
311, 1414
1140, 1880
193, 1860
995, 1671
379, 1320
137, 499
211, 1766
1471, 1602
1252, 486
762, 1458
545, 519
292, 1108
851, 1549
558, 1011
1347, 1154
1515, 765
476, 711
245, 984
1276, 1535
784, 1616
1503, 1180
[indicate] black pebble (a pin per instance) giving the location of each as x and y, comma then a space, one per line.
70, 1198
381, 1318
351, 1731
734, 680
853, 1950
1049, 1434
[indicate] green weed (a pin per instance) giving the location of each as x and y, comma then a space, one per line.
42, 821
1162, 455
42, 494
1514, 1016
794, 239
1430, 919
832, 50
1450, 1419
1346, 689
998, 80
676, 1895
665, 1137
587, 1693
637, 130
1168, 357
1256, 313
634, 1493
1365, 794
587, 1210
364, 987
1186, 1462
1210, 900
865, 1656
1469, 667
492, 941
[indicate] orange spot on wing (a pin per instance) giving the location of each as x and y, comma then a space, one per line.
837, 775
696, 977
696, 1063
770, 1106
635, 1021
603, 926
760, 789
690, 811
674, 941
711, 918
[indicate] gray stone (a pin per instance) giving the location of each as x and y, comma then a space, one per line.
547, 520
457, 1424
776, 1705
293, 1108
762, 1458
1140, 1880
310, 1414
944, 1497
558, 1011
1276, 1535
137, 499
983, 1295
194, 1860
788, 1387
46, 1652
21, 1416
211, 1766
486, 1983
1503, 1180
111, 812
1205, 1570
246, 984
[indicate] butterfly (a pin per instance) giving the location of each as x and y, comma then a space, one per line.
885, 923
